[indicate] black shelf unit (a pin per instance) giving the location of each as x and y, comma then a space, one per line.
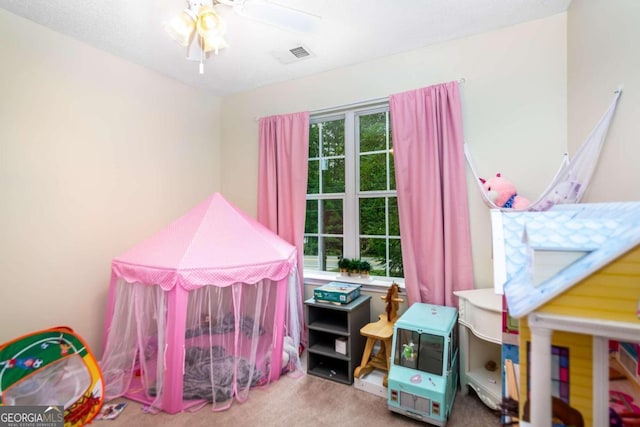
328, 321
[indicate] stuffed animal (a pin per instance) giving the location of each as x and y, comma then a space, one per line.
289, 356
289, 353
503, 193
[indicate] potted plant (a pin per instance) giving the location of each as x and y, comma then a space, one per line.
344, 264
354, 267
365, 269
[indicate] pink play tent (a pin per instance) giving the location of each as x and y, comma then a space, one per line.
201, 312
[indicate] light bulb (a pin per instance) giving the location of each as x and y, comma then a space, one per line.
211, 29
181, 27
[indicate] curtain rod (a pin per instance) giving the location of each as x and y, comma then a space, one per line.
360, 103
461, 80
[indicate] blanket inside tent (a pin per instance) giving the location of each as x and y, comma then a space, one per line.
572, 179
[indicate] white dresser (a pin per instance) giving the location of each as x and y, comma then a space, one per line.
480, 319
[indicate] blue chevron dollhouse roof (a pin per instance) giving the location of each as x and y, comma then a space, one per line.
598, 232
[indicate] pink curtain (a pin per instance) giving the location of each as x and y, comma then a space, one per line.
432, 193
282, 178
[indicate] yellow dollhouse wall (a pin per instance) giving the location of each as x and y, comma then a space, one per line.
612, 293
580, 368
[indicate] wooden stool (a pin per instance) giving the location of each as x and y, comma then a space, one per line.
382, 332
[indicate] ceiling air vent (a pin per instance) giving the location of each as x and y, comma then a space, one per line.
294, 54
299, 52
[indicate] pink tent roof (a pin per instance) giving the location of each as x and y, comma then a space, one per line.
213, 244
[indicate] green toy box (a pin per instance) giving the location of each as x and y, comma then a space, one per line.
338, 292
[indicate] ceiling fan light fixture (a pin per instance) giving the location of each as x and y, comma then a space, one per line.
211, 29
182, 26
201, 27
214, 44
209, 20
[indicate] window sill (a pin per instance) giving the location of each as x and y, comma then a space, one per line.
319, 278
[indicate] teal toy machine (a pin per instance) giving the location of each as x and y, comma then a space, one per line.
423, 376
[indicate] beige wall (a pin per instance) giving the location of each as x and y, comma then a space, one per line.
96, 153
603, 54
514, 110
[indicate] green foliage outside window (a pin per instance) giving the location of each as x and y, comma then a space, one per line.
377, 212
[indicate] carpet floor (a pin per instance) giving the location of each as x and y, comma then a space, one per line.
306, 401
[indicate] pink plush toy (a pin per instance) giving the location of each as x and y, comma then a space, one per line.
503, 193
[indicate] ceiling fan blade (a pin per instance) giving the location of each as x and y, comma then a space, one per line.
280, 16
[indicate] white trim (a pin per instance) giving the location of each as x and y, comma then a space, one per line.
499, 257
319, 278
540, 387
623, 331
369, 103
350, 213
600, 376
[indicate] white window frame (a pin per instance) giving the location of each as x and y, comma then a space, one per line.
351, 195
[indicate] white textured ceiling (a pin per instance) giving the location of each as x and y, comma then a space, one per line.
349, 32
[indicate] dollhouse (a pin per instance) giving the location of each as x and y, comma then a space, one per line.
571, 280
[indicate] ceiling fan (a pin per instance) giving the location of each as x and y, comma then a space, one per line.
273, 13
201, 29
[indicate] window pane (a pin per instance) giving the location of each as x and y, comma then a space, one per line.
313, 180
311, 217
333, 138
374, 251
373, 172
311, 252
372, 216
395, 259
332, 176
406, 348
392, 173
430, 353
394, 223
340, 179
332, 218
373, 132
314, 140
332, 253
